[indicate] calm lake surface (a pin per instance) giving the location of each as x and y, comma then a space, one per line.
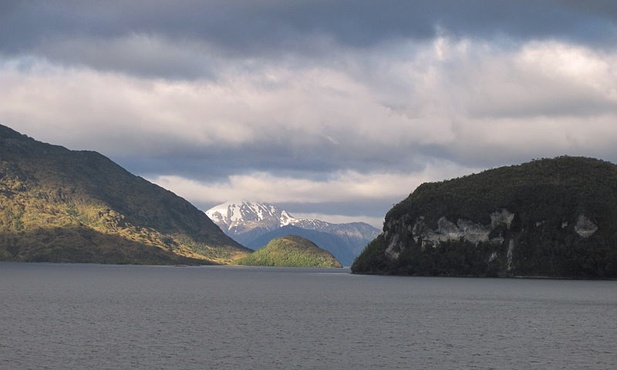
57, 316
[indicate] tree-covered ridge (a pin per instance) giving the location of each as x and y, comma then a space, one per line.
60, 205
290, 251
563, 223
538, 189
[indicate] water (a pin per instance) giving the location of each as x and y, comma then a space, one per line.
154, 317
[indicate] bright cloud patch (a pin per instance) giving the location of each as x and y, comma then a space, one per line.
319, 116
342, 188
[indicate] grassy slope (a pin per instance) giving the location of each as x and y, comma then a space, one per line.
290, 251
59, 205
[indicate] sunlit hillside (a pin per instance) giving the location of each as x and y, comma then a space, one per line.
290, 251
59, 205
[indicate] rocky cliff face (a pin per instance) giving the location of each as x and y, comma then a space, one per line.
544, 218
462, 230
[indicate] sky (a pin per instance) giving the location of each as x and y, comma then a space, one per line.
334, 109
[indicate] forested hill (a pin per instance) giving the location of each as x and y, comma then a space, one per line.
290, 251
549, 217
58, 205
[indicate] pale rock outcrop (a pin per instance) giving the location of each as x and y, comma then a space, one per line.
446, 230
584, 227
465, 230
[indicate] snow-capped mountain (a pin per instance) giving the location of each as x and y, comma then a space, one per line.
237, 218
255, 224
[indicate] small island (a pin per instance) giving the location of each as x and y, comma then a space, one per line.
290, 251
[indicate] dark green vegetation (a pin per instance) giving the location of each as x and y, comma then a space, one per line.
332, 243
550, 217
58, 205
290, 251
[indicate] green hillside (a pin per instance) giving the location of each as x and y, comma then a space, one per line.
290, 251
58, 205
550, 217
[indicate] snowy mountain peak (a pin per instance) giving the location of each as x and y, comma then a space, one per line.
286, 218
243, 216
249, 223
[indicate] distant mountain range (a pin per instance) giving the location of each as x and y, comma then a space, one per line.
255, 224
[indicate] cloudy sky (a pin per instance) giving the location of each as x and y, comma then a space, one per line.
334, 108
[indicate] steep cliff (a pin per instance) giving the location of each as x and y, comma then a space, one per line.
550, 217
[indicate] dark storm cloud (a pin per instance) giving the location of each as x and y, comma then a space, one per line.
316, 162
356, 22
73, 31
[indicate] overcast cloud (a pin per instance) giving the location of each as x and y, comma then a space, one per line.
337, 109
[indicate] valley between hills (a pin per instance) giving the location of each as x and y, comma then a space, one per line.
58, 205
549, 217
